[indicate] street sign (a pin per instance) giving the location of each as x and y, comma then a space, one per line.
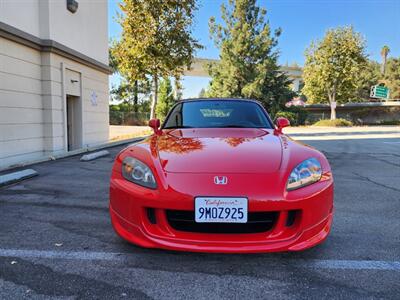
380, 92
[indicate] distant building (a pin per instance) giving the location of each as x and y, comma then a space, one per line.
53, 77
293, 72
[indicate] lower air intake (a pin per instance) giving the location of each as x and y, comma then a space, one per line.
257, 222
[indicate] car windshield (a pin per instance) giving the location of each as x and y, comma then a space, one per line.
217, 114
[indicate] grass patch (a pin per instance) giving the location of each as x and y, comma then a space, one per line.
334, 123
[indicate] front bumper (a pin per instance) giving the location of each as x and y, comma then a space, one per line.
130, 204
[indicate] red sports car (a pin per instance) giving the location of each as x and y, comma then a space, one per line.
218, 176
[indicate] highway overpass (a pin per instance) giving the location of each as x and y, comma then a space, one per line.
198, 69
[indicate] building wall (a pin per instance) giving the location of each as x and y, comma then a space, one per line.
42, 45
23, 15
85, 31
21, 105
32, 103
96, 113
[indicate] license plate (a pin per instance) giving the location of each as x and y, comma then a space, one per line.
220, 210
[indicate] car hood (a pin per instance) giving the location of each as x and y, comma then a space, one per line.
228, 150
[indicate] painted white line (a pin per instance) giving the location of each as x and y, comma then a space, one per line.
112, 256
392, 142
354, 264
49, 254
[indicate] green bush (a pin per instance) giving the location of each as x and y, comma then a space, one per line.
301, 115
296, 115
334, 123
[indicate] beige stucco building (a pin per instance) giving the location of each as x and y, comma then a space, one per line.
53, 78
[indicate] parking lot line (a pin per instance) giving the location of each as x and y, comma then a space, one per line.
354, 264
49, 254
110, 256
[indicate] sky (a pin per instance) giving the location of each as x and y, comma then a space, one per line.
301, 21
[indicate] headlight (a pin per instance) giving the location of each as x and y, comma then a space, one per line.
306, 173
136, 171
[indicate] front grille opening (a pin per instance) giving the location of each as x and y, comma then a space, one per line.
257, 222
292, 216
151, 215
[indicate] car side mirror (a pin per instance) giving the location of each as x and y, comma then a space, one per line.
155, 124
282, 123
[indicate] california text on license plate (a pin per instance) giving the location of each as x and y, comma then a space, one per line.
220, 210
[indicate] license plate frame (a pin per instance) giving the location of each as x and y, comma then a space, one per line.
221, 209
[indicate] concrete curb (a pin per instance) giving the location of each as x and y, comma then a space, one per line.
14, 177
76, 152
94, 155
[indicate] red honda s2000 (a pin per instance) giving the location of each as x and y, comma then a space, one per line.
220, 177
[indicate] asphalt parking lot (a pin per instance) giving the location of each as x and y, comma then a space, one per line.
57, 241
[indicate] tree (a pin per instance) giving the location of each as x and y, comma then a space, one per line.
178, 88
202, 93
332, 67
384, 53
128, 92
392, 77
248, 60
166, 98
112, 62
369, 76
156, 40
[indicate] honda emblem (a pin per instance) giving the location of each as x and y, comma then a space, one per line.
220, 180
